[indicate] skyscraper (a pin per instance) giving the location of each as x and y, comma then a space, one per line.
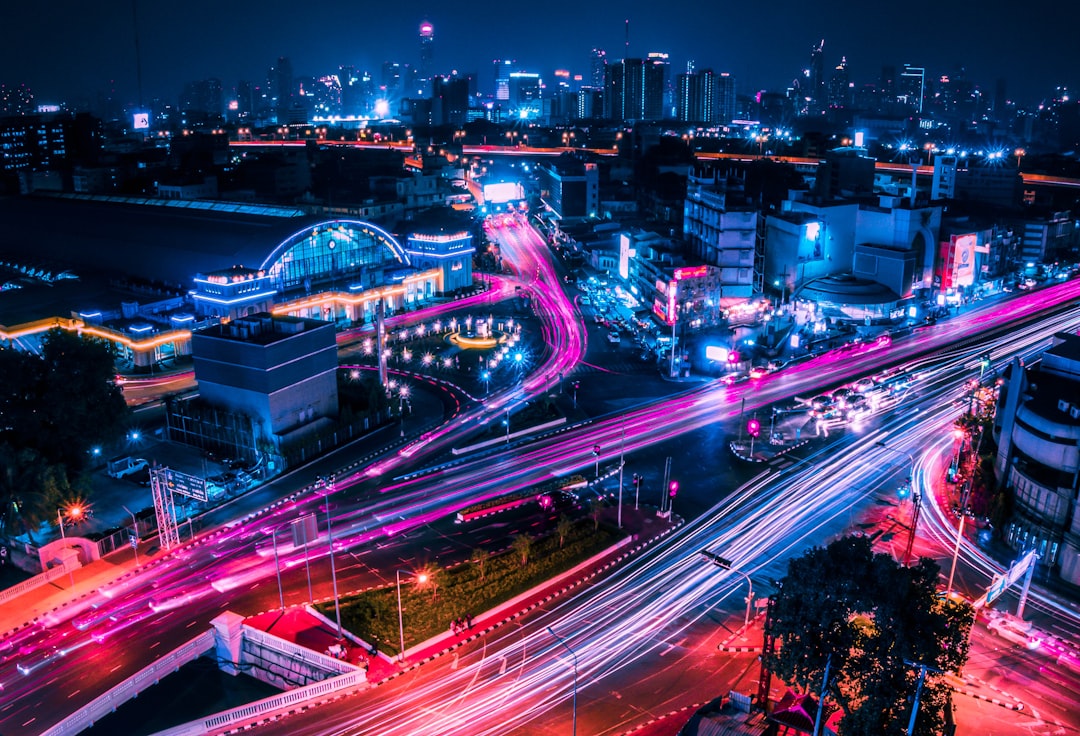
912, 87
597, 68
634, 90
816, 92
427, 54
725, 98
281, 87
502, 78
840, 86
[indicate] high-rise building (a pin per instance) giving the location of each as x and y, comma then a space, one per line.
726, 101
660, 59
281, 85
502, 69
449, 100
816, 74
706, 97
597, 68
911, 87
634, 90
524, 94
840, 86
203, 100
427, 51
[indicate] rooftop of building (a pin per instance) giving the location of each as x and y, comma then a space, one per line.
436, 221
261, 329
155, 243
846, 289
1066, 346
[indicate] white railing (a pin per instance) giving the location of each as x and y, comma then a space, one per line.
296, 652
111, 700
269, 705
27, 585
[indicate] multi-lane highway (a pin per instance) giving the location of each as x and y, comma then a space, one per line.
86, 648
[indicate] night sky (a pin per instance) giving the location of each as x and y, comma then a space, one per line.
67, 50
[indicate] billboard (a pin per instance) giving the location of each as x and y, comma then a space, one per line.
501, 192
140, 121
186, 485
963, 259
691, 272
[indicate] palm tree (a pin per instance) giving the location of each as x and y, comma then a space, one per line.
522, 546
563, 528
480, 557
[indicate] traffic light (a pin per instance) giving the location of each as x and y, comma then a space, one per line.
753, 427
673, 489
636, 479
904, 490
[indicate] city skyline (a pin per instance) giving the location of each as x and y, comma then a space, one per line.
70, 62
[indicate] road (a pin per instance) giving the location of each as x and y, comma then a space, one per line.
383, 501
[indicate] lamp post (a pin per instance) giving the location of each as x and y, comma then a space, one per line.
329, 481
134, 533
573, 658
74, 512
726, 564
916, 500
277, 570
421, 578
622, 463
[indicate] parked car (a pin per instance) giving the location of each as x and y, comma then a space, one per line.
613, 337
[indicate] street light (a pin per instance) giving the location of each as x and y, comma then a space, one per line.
421, 578
277, 570
573, 658
75, 512
329, 481
916, 500
726, 564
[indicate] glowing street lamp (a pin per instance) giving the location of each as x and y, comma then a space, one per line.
75, 513
421, 579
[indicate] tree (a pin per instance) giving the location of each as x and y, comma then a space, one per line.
522, 546
63, 402
562, 528
873, 617
30, 490
480, 557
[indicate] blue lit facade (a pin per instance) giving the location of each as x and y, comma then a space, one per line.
451, 252
232, 293
337, 271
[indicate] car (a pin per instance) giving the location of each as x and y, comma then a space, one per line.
613, 337
1014, 630
758, 371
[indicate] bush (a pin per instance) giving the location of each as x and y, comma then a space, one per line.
373, 615
554, 485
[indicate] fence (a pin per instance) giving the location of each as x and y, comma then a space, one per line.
104, 704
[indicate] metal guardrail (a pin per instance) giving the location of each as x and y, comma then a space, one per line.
108, 702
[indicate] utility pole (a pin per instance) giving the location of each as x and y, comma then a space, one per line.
622, 463
821, 698
664, 486
918, 692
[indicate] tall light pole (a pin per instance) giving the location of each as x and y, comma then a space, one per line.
329, 480
277, 570
959, 536
421, 578
134, 533
916, 500
726, 564
622, 462
75, 512
573, 658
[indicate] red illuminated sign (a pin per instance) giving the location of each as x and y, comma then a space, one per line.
691, 272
